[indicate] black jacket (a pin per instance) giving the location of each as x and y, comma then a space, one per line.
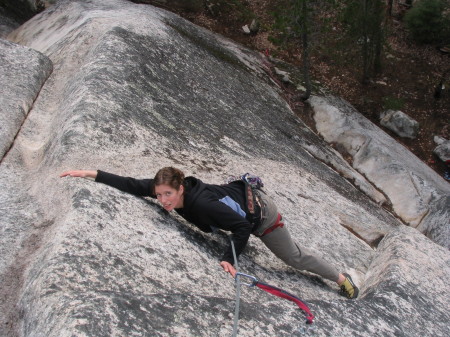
202, 205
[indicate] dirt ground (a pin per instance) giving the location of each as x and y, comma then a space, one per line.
409, 75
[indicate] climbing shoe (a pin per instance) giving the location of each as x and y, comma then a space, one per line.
348, 288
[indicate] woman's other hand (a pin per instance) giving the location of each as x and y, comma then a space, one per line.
79, 173
228, 267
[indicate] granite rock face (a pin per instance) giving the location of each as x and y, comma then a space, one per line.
135, 88
395, 293
419, 196
24, 71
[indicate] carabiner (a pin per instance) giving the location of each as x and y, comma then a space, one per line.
252, 284
308, 330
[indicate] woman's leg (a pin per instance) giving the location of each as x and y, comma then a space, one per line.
281, 244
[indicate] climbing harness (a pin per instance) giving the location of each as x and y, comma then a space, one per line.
278, 223
252, 282
252, 185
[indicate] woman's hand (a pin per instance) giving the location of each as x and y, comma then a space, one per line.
80, 174
228, 267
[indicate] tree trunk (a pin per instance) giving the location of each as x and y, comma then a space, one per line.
365, 46
389, 8
378, 35
305, 44
438, 90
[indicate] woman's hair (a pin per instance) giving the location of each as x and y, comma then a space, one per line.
169, 176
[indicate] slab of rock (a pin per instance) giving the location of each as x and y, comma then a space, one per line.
404, 261
400, 123
24, 71
135, 88
395, 282
419, 196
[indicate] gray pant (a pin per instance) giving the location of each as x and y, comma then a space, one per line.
281, 244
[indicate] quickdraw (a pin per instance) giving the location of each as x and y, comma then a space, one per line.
280, 293
270, 289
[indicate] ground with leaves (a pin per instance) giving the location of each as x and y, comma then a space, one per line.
410, 73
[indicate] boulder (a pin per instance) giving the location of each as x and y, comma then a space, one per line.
418, 194
127, 95
400, 123
246, 30
251, 29
24, 71
284, 75
442, 150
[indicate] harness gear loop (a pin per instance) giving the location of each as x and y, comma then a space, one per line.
277, 224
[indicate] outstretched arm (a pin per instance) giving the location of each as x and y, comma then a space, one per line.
141, 187
80, 174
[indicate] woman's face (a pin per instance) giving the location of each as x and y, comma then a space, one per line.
169, 197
